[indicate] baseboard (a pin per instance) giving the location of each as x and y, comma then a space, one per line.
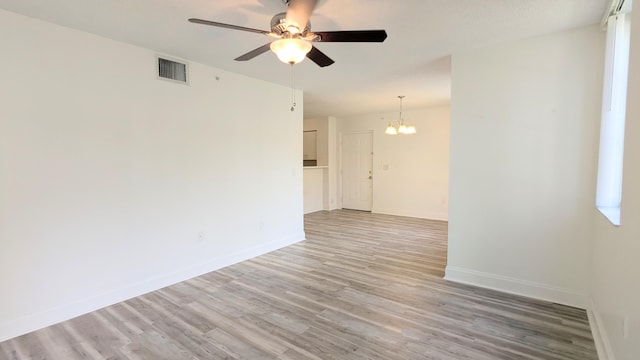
603, 346
331, 208
516, 286
413, 214
32, 322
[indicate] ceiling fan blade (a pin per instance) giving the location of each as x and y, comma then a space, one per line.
228, 26
319, 57
299, 12
253, 53
352, 36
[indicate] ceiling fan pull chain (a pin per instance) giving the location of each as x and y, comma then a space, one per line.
293, 88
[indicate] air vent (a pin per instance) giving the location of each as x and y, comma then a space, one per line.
172, 70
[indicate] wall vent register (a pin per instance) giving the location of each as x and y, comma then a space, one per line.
172, 70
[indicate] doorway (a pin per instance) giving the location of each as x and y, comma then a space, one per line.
357, 171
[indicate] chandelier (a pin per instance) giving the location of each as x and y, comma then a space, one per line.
400, 126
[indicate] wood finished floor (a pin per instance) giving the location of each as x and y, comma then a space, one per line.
363, 286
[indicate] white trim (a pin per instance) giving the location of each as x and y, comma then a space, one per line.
32, 322
625, 8
603, 346
611, 213
516, 286
413, 214
339, 173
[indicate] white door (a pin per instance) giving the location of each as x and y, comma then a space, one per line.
357, 171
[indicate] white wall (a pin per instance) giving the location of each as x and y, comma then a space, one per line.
615, 275
331, 174
416, 180
322, 141
327, 150
524, 123
313, 189
108, 176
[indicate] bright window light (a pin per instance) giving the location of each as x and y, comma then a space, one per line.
609, 188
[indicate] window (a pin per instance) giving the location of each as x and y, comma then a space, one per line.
609, 187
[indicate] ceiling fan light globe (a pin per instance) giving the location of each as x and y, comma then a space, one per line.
411, 129
291, 51
391, 130
402, 129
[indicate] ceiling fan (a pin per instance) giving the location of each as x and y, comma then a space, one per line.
293, 35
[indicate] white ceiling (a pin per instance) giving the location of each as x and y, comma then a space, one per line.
414, 60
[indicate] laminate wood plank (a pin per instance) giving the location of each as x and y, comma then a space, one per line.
362, 286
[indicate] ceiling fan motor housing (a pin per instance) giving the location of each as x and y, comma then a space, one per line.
279, 25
